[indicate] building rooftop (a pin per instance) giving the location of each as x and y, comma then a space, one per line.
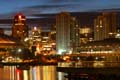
105, 42
106, 45
9, 41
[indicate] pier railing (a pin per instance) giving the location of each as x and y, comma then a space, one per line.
89, 64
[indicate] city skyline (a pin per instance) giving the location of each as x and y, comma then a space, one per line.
43, 12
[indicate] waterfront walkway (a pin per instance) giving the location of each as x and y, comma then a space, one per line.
89, 67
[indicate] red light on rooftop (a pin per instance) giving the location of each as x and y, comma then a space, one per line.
19, 16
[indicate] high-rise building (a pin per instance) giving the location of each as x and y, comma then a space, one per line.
19, 29
74, 34
53, 37
36, 35
53, 33
99, 28
36, 32
63, 32
105, 26
67, 33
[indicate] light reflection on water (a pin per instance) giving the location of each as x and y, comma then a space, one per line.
34, 73
61, 76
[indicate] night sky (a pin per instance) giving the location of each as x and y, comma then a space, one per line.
42, 12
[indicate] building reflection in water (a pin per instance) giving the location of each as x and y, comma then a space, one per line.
35, 73
61, 76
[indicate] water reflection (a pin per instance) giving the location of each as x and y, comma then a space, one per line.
61, 76
34, 73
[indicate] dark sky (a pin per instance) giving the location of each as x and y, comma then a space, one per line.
42, 12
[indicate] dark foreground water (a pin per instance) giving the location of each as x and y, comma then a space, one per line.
46, 73
34, 73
